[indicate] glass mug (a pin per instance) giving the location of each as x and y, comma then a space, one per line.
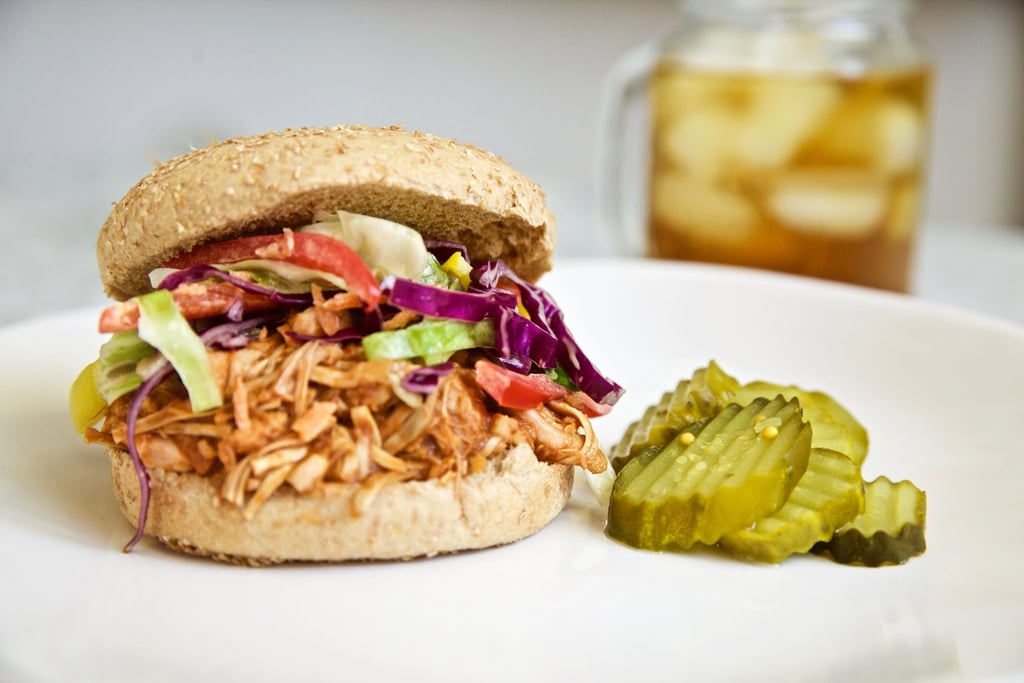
787, 135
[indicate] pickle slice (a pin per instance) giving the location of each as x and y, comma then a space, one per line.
889, 531
640, 467
702, 396
637, 436
741, 467
834, 426
829, 495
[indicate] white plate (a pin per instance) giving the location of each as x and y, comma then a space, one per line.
942, 393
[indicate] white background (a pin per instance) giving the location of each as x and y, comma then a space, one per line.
92, 94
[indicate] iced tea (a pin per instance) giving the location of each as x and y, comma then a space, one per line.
815, 175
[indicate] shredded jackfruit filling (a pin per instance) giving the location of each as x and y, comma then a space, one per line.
302, 414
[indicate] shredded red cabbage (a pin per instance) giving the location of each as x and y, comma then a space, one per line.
235, 334
515, 335
520, 364
443, 250
519, 337
548, 316
445, 303
201, 271
236, 311
131, 422
424, 380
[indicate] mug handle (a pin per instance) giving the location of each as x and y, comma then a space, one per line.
622, 229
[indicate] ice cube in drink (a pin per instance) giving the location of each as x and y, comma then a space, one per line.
812, 174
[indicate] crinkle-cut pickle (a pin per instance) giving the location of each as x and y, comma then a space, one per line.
828, 496
833, 425
734, 472
637, 437
889, 531
640, 466
701, 396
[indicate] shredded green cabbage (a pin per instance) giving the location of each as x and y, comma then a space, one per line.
432, 340
117, 369
162, 325
388, 248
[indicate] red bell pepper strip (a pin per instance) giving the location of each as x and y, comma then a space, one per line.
306, 249
194, 300
516, 391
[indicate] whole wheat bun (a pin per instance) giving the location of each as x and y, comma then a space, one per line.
264, 183
515, 497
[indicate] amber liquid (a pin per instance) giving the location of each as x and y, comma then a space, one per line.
815, 175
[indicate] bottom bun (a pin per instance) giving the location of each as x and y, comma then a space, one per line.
513, 498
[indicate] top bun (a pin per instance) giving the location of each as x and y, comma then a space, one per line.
264, 183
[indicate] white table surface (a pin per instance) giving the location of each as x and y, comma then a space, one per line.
971, 267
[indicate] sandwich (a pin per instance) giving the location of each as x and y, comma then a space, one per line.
329, 345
